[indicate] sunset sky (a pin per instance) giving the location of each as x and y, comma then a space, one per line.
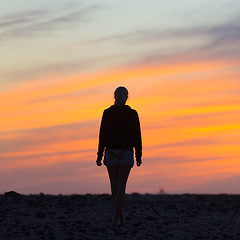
61, 62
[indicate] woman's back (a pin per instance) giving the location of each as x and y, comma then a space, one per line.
120, 128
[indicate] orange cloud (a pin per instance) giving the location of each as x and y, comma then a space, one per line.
189, 115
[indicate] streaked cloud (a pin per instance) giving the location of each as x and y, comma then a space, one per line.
192, 43
28, 139
230, 29
36, 22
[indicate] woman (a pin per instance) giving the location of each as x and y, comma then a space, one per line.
119, 133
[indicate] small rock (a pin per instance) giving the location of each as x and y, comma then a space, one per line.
12, 195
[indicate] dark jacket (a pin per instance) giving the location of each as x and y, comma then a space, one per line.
120, 129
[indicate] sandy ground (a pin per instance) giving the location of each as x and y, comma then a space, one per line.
147, 217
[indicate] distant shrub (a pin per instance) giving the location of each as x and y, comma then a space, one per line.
135, 194
161, 191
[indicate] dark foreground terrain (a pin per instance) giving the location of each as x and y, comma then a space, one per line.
147, 217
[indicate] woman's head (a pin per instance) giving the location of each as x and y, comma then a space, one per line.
121, 96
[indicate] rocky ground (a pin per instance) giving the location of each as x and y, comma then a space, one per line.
147, 217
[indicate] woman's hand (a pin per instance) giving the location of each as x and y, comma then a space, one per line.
99, 163
139, 162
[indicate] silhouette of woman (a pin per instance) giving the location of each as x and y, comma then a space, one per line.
119, 133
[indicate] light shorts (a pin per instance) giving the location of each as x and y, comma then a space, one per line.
118, 157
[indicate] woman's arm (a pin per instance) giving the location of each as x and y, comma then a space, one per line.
101, 143
138, 139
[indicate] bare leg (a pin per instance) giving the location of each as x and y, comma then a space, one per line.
123, 173
113, 174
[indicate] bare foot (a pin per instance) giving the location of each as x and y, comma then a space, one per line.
122, 224
121, 219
